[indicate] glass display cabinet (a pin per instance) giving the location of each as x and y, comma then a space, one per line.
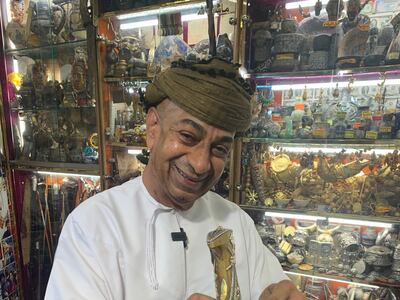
319, 166
135, 42
10, 275
49, 91
47, 199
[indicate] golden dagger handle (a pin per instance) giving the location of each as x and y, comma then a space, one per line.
222, 248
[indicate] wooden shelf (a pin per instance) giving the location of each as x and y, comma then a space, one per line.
47, 51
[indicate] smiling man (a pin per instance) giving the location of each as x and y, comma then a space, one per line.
147, 239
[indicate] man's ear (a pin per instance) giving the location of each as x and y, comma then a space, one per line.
152, 127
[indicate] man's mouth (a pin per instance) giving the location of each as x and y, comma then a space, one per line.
193, 179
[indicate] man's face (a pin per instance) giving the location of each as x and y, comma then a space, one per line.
187, 156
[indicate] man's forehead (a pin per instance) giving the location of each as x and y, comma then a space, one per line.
178, 116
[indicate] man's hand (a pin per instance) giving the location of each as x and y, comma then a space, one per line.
200, 297
283, 290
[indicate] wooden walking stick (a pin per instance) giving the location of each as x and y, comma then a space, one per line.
26, 223
45, 236
47, 216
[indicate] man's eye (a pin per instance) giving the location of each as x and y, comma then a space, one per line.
220, 151
187, 137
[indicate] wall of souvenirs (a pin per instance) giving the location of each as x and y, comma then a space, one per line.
318, 169
73, 103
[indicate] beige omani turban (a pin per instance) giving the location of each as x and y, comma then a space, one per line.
211, 91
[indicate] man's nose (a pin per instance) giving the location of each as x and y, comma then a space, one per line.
199, 159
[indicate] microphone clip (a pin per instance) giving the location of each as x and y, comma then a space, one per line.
180, 237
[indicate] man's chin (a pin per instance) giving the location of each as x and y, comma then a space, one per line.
184, 201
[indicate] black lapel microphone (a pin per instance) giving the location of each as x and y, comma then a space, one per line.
180, 237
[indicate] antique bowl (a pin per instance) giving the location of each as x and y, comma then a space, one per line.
301, 203
282, 203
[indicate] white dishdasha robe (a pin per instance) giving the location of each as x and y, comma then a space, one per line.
117, 245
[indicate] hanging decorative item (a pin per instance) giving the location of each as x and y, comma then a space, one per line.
79, 76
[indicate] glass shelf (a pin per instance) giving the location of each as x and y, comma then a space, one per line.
340, 73
58, 167
47, 51
107, 9
354, 143
111, 79
305, 213
60, 108
344, 279
126, 146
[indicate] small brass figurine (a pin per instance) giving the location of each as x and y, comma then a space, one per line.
220, 242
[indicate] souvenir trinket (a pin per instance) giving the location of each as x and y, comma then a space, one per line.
288, 43
258, 175
26, 95
171, 48
282, 198
359, 267
347, 242
41, 23
396, 259
305, 267
382, 293
79, 77
170, 24
334, 9
75, 18
393, 53
368, 236
300, 238
295, 258
224, 47
378, 256
280, 163
354, 18
352, 48
331, 174
15, 29
111, 57
288, 26
317, 8
285, 247
121, 68
325, 233
251, 197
